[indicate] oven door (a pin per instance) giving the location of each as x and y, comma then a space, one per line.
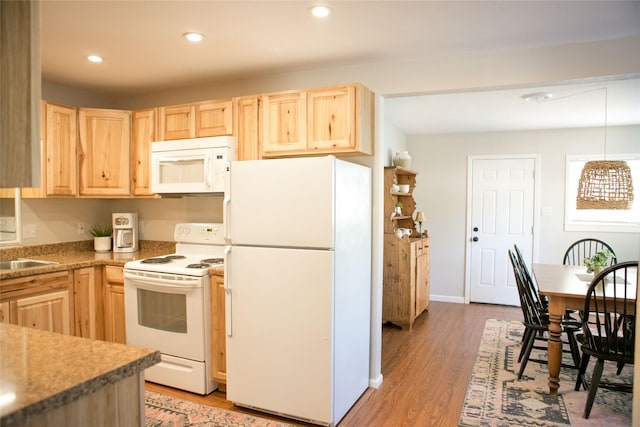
167, 312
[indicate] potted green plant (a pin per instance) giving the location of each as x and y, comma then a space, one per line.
398, 209
597, 262
101, 237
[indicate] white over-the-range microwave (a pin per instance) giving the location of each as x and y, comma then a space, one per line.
196, 166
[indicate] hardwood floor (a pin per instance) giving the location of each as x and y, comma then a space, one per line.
426, 371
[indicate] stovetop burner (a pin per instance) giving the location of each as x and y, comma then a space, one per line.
199, 265
175, 257
163, 260
213, 260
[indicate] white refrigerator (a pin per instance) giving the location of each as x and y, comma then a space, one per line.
298, 286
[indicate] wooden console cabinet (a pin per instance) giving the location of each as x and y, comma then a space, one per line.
406, 259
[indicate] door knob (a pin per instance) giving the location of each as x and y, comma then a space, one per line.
475, 238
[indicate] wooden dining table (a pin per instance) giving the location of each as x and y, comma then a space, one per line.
566, 288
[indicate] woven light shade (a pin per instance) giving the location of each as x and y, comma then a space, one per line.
605, 185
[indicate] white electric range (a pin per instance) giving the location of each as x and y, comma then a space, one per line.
167, 306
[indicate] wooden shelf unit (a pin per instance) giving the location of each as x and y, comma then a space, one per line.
406, 260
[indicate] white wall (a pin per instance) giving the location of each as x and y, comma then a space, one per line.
441, 192
56, 220
394, 140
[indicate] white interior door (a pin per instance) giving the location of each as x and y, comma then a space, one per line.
501, 215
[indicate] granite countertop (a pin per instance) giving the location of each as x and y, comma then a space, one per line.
72, 255
44, 370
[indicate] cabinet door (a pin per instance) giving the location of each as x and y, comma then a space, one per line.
144, 133
105, 152
47, 312
4, 312
214, 118
114, 323
61, 145
176, 122
85, 302
218, 332
247, 131
284, 123
331, 119
422, 277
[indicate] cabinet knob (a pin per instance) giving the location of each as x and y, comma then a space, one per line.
475, 228
475, 238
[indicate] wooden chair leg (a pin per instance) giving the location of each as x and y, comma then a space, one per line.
581, 371
575, 351
525, 359
595, 380
525, 340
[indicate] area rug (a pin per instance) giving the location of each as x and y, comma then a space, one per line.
495, 397
167, 411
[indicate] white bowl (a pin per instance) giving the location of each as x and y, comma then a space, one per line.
403, 188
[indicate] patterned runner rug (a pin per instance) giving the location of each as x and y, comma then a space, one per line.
166, 411
495, 397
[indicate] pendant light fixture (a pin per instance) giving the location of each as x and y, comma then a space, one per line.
605, 184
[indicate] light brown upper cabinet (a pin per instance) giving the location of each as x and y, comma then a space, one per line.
283, 123
105, 155
319, 121
208, 118
58, 145
60, 148
247, 127
143, 134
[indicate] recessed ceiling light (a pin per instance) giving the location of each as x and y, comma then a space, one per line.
320, 11
193, 37
538, 96
94, 58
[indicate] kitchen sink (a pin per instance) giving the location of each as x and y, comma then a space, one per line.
23, 263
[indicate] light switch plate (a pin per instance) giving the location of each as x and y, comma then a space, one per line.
29, 231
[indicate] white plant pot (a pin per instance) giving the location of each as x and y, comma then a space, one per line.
102, 244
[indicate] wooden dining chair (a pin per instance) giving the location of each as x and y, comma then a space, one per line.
585, 248
608, 326
575, 255
536, 323
541, 300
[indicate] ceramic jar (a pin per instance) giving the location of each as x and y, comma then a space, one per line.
402, 159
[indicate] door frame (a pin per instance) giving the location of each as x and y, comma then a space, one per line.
536, 208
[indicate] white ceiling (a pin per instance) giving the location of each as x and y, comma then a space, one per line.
143, 48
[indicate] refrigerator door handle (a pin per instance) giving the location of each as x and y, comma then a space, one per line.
227, 293
226, 201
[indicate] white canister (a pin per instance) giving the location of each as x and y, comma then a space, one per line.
402, 159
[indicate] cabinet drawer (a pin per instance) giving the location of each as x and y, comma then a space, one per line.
421, 246
30, 285
113, 274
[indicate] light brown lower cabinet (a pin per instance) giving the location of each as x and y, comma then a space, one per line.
88, 313
4, 312
114, 322
42, 301
218, 332
405, 279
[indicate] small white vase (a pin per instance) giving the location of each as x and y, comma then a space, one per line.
402, 159
102, 244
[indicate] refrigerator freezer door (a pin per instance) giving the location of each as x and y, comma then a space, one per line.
279, 354
282, 202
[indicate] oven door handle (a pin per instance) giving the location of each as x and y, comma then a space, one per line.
155, 283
